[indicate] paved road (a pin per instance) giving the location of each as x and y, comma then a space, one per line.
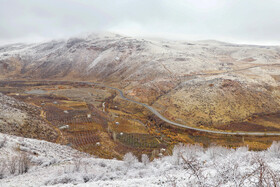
154, 111
181, 125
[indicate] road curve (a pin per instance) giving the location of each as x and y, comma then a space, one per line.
181, 125
172, 122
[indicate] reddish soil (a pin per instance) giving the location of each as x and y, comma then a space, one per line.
247, 126
253, 125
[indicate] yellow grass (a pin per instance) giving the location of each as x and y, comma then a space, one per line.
128, 126
256, 145
74, 104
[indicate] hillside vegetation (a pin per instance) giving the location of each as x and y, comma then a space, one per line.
206, 83
189, 165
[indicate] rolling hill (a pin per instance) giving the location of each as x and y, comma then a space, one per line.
206, 83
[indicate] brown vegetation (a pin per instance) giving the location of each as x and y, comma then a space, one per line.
93, 131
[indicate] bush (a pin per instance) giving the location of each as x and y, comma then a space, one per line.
188, 151
18, 164
12, 165
145, 159
274, 149
3, 141
263, 175
215, 152
130, 159
23, 164
65, 179
2, 168
77, 164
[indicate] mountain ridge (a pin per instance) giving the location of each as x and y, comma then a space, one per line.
159, 72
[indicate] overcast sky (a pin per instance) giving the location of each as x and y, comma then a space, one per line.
240, 21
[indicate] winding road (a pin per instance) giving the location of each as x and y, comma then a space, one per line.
154, 111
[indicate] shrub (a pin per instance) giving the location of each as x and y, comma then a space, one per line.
130, 159
145, 159
77, 164
188, 151
2, 168
3, 141
65, 179
23, 164
215, 152
263, 175
12, 165
18, 164
274, 149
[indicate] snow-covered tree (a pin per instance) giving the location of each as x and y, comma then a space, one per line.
145, 159
130, 159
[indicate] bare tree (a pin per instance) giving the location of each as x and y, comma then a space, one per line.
230, 171
23, 163
195, 168
12, 165
263, 175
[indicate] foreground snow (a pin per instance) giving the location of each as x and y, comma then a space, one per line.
56, 165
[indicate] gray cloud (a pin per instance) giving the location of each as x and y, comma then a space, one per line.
246, 21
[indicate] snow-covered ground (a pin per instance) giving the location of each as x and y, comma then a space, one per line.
109, 55
142, 63
190, 165
9, 110
16, 115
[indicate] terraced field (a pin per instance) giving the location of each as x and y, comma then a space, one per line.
98, 121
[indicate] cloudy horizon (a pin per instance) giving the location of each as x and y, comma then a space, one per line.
237, 21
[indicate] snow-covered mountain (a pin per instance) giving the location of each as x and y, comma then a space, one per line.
28, 162
129, 59
213, 82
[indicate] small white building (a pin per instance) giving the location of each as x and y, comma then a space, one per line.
117, 123
103, 106
64, 127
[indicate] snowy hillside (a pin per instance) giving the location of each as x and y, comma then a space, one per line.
197, 83
22, 119
48, 164
107, 55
